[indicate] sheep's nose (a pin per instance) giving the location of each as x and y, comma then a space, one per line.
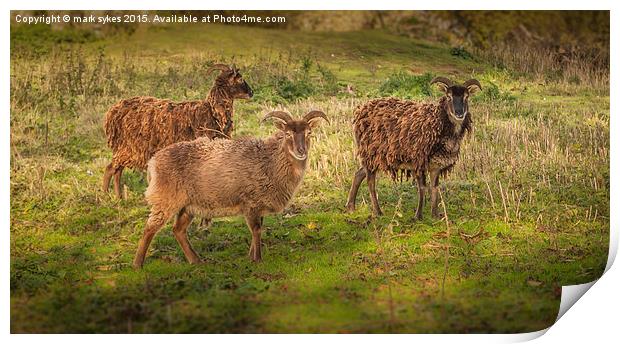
249, 90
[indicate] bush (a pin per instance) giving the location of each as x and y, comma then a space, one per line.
461, 52
294, 88
491, 92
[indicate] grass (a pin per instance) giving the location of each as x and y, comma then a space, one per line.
528, 203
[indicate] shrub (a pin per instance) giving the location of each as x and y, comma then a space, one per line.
294, 88
491, 92
461, 52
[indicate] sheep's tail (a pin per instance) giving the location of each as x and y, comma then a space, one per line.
111, 127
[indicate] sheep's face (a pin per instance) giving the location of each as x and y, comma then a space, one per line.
297, 138
457, 96
297, 133
239, 88
457, 105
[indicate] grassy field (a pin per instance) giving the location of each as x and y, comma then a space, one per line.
527, 205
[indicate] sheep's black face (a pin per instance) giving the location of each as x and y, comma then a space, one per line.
457, 96
457, 102
238, 86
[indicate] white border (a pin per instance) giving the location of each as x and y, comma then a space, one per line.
593, 318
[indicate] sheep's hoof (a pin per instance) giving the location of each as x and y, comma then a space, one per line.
137, 266
418, 217
377, 213
350, 207
196, 262
254, 256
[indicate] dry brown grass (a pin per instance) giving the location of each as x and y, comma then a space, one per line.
549, 65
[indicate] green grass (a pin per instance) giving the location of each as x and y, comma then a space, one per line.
528, 203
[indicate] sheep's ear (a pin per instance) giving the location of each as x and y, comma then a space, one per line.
472, 86
277, 122
443, 88
280, 124
443, 83
313, 117
280, 119
234, 71
314, 123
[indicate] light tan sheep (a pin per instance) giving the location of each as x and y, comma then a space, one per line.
213, 178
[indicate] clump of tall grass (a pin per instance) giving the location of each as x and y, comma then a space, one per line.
546, 64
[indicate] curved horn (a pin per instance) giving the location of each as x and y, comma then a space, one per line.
314, 114
441, 80
280, 115
472, 82
218, 66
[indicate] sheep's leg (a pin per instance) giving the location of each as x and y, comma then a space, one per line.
117, 182
154, 223
372, 177
359, 177
434, 179
205, 223
107, 176
180, 233
421, 180
255, 224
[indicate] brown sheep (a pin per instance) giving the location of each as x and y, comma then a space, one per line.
411, 137
214, 178
138, 127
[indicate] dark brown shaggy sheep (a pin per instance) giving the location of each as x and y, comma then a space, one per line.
138, 127
215, 178
411, 137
